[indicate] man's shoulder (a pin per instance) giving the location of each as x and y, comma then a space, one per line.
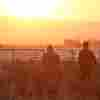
82, 51
90, 52
86, 52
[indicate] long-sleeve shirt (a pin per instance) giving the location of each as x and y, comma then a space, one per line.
50, 59
87, 57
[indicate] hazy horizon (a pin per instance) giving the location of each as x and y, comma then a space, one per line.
41, 22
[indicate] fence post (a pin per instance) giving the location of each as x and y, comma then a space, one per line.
13, 56
72, 51
12, 85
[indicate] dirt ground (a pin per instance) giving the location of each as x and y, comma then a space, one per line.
69, 86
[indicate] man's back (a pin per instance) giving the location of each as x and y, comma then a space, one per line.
86, 56
51, 66
87, 62
50, 59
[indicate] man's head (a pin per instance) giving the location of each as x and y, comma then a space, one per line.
85, 44
50, 48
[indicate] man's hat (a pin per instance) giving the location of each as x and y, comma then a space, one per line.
50, 46
85, 43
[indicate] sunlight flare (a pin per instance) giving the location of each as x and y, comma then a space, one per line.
33, 7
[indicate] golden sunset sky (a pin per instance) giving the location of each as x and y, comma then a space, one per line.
82, 19
31, 22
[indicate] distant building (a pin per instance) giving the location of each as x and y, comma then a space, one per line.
95, 43
1, 46
72, 43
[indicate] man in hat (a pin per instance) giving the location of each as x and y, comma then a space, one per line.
87, 60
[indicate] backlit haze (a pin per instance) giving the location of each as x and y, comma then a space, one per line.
39, 22
82, 19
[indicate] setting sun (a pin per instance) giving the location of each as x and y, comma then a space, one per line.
42, 21
33, 7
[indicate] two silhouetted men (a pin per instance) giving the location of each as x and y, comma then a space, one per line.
87, 60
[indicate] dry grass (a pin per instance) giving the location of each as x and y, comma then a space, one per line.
69, 83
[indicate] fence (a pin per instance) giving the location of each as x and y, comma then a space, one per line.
34, 54
24, 55
13, 54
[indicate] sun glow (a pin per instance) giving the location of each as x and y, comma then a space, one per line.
33, 7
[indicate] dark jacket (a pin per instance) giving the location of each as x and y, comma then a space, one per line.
50, 59
87, 57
